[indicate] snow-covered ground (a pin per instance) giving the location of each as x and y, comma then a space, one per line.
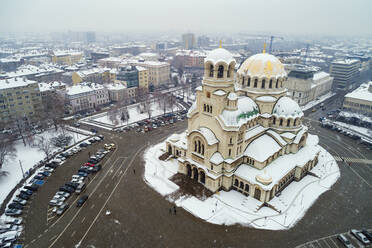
228, 208
315, 102
28, 156
356, 115
104, 120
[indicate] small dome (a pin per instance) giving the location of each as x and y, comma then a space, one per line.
219, 55
174, 138
286, 107
264, 178
232, 96
263, 65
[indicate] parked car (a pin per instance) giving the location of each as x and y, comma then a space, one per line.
76, 181
14, 221
83, 170
15, 205
89, 164
83, 144
72, 185
13, 212
83, 174
77, 177
23, 196
20, 201
367, 234
55, 202
48, 169
93, 161
27, 192
39, 177
64, 194
67, 189
97, 168
101, 136
81, 201
80, 188
360, 236
59, 197
32, 187
62, 209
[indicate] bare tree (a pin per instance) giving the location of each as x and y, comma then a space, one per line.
54, 108
7, 150
148, 108
45, 146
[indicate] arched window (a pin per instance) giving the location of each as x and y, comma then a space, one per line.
246, 188
210, 109
263, 84
205, 108
199, 146
249, 82
243, 81
196, 146
236, 183
274, 120
294, 123
288, 121
277, 82
211, 71
202, 149
220, 71
281, 122
228, 72
230, 140
241, 185
229, 152
255, 83
271, 83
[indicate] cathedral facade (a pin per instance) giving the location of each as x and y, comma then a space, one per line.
243, 129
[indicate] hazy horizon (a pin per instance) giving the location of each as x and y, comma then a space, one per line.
333, 17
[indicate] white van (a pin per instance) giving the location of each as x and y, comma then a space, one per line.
80, 188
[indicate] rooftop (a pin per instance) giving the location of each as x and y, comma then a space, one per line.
363, 92
14, 82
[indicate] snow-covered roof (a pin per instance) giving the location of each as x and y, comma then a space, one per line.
246, 109
253, 132
115, 86
282, 165
266, 99
219, 93
192, 108
14, 82
262, 65
25, 70
277, 137
362, 92
262, 148
207, 134
320, 75
286, 107
216, 158
288, 135
219, 55
66, 53
45, 87
83, 88
199, 88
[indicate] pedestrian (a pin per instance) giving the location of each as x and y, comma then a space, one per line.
174, 210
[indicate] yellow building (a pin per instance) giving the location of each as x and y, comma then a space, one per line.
143, 78
19, 98
66, 57
243, 132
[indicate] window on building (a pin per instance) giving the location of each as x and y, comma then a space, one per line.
281, 122
220, 71
288, 122
229, 152
208, 94
255, 83
271, 83
243, 81
277, 83
274, 120
249, 82
211, 70
263, 84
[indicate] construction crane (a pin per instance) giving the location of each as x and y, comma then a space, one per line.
306, 52
271, 41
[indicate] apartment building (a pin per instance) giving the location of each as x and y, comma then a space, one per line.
19, 98
360, 100
345, 73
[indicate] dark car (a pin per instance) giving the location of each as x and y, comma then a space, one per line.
81, 201
93, 130
367, 234
51, 165
27, 191
101, 136
83, 144
93, 161
24, 196
15, 205
82, 174
84, 170
72, 185
67, 189
39, 177
33, 187
97, 168
13, 212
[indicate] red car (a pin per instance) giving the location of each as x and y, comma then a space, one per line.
89, 164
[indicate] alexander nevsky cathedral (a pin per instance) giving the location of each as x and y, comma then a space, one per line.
243, 131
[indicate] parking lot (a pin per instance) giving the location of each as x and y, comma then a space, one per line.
332, 242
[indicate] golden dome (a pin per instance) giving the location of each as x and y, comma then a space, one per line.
262, 65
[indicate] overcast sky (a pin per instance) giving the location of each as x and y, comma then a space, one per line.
334, 17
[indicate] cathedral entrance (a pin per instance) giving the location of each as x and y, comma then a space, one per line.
189, 174
257, 194
202, 177
195, 173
